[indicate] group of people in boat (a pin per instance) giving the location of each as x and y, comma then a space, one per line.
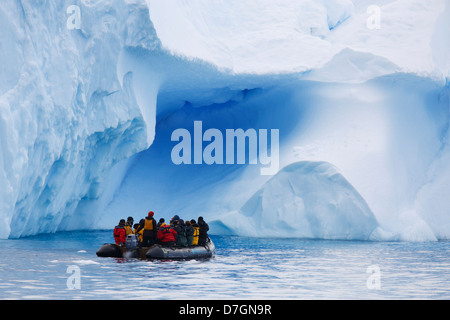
149, 232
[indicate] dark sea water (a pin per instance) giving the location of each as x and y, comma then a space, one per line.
64, 266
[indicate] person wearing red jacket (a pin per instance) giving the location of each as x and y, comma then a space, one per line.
119, 233
166, 235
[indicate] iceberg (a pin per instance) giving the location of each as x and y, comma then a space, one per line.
305, 200
91, 91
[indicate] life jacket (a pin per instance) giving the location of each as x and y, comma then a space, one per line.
128, 229
148, 224
196, 234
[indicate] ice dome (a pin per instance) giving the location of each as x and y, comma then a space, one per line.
305, 200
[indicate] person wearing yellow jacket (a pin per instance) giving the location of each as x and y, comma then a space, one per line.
129, 226
139, 230
150, 231
196, 232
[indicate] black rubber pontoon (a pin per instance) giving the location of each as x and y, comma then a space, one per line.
176, 253
110, 250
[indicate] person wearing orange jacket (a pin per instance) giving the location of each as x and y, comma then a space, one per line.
119, 233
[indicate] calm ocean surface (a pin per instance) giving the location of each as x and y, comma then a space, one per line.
65, 266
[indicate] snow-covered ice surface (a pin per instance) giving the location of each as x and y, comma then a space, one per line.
86, 115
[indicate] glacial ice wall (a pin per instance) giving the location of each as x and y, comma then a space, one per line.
65, 116
86, 114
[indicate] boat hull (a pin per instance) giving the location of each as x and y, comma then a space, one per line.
158, 252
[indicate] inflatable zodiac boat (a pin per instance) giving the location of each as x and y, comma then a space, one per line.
132, 250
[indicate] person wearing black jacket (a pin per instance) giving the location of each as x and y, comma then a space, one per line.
189, 233
203, 232
180, 228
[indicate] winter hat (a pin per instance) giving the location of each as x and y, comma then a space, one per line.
151, 213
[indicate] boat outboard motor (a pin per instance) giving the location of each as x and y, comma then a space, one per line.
132, 242
131, 246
